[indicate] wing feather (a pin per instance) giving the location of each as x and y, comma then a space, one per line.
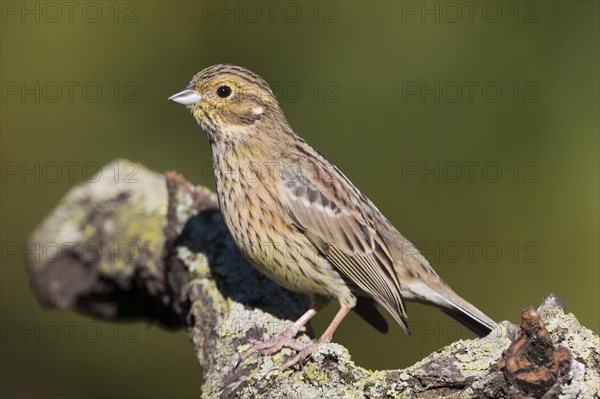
345, 235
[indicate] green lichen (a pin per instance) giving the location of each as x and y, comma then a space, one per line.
140, 233
196, 262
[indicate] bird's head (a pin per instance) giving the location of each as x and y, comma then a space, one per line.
230, 102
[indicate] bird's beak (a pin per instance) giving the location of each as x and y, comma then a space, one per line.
187, 96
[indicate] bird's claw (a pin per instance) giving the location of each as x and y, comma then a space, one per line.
237, 362
300, 357
273, 346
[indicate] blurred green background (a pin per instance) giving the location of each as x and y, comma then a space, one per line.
420, 104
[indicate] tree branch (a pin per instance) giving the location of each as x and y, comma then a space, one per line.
154, 246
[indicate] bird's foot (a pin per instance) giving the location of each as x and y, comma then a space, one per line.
302, 355
274, 345
286, 339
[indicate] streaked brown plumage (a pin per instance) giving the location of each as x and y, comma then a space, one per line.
300, 221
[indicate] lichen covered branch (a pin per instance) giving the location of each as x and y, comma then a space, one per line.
154, 246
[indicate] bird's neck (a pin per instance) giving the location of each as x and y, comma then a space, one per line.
262, 139
241, 152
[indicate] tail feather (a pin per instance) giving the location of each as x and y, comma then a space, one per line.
471, 321
442, 296
428, 287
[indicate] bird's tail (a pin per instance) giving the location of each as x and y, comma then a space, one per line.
472, 318
442, 296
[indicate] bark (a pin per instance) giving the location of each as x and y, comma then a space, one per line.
142, 244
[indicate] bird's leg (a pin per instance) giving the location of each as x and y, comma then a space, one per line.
285, 338
307, 350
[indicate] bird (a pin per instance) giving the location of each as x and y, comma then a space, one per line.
301, 222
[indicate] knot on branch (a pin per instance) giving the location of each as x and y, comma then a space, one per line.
532, 363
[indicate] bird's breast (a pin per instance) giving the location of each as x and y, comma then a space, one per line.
250, 201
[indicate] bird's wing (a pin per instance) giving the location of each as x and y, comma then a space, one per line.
328, 209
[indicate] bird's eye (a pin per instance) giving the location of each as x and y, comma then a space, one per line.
224, 91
